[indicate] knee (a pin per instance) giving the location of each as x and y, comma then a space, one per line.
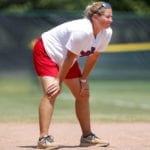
49, 99
83, 97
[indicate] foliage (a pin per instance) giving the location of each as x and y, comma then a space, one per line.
137, 6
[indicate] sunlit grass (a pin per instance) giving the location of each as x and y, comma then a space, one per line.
110, 101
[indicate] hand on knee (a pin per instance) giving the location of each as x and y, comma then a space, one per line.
84, 92
53, 89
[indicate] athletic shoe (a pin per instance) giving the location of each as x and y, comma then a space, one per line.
47, 141
92, 139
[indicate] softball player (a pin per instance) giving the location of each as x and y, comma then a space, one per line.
55, 56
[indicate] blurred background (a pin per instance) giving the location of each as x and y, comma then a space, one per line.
123, 68
22, 21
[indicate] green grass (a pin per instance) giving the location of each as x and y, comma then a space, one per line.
110, 101
121, 100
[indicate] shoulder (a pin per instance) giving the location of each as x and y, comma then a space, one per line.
80, 28
108, 31
81, 21
82, 25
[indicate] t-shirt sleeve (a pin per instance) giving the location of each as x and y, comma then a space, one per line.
77, 42
105, 40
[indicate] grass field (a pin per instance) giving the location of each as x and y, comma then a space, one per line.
111, 100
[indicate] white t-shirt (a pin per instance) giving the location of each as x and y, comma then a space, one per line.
76, 36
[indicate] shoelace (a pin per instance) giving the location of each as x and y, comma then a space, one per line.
91, 135
47, 138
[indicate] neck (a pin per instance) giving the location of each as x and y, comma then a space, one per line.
96, 30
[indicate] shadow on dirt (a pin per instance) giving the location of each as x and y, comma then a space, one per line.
62, 146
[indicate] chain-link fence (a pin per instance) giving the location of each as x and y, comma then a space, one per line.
19, 31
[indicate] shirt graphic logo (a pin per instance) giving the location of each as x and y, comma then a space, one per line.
88, 52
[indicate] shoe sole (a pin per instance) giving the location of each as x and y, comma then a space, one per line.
92, 144
48, 148
102, 145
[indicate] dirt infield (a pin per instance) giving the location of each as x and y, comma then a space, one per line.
122, 136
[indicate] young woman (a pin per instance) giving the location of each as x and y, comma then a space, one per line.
55, 58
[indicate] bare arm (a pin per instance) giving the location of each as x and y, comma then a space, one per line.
55, 87
89, 64
68, 62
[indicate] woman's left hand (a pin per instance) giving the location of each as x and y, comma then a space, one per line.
84, 89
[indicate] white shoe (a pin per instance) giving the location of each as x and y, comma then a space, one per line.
92, 139
47, 141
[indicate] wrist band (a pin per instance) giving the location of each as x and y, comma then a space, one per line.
83, 80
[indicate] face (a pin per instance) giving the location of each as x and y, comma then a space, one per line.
104, 20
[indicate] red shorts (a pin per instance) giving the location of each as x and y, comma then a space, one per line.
45, 66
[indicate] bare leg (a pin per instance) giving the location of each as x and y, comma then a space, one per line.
45, 115
46, 107
83, 114
81, 105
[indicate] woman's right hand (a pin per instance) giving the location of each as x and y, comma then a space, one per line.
54, 89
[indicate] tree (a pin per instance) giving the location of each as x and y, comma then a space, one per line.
136, 6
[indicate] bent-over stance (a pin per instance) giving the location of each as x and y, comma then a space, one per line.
55, 56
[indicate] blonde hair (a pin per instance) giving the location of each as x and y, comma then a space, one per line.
95, 8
